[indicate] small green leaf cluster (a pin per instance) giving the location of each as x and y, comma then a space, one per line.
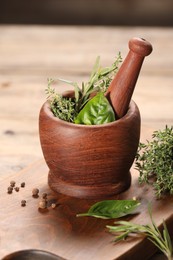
68, 108
154, 161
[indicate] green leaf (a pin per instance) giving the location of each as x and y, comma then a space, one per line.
95, 68
105, 71
75, 85
108, 209
77, 93
72, 83
97, 111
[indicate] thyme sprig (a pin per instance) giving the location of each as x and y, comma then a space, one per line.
100, 78
162, 241
154, 161
63, 108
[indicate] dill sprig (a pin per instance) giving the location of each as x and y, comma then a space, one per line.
154, 161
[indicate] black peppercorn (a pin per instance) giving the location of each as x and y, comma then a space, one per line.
23, 203
22, 184
9, 189
44, 195
12, 183
35, 192
16, 189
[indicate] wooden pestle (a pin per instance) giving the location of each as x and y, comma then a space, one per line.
122, 86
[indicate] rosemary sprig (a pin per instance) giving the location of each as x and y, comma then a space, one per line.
124, 229
99, 80
154, 161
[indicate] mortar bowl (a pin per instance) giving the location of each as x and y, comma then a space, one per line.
90, 162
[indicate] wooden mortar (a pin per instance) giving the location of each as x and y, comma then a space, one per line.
89, 161
94, 162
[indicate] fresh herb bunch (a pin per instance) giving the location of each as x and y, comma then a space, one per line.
154, 161
123, 229
68, 108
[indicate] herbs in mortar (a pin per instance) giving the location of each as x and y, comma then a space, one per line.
68, 109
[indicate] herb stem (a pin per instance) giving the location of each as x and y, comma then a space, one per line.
123, 229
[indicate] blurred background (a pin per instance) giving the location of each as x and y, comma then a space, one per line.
62, 38
87, 12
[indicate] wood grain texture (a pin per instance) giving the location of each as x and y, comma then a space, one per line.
89, 161
59, 230
122, 86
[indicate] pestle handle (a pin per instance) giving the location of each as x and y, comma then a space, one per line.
122, 86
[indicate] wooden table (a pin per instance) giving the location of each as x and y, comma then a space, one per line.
59, 231
31, 54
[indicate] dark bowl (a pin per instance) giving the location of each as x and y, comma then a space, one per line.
32, 254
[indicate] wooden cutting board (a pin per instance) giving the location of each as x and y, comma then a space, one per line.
59, 230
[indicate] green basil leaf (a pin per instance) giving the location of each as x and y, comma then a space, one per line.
97, 111
108, 209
